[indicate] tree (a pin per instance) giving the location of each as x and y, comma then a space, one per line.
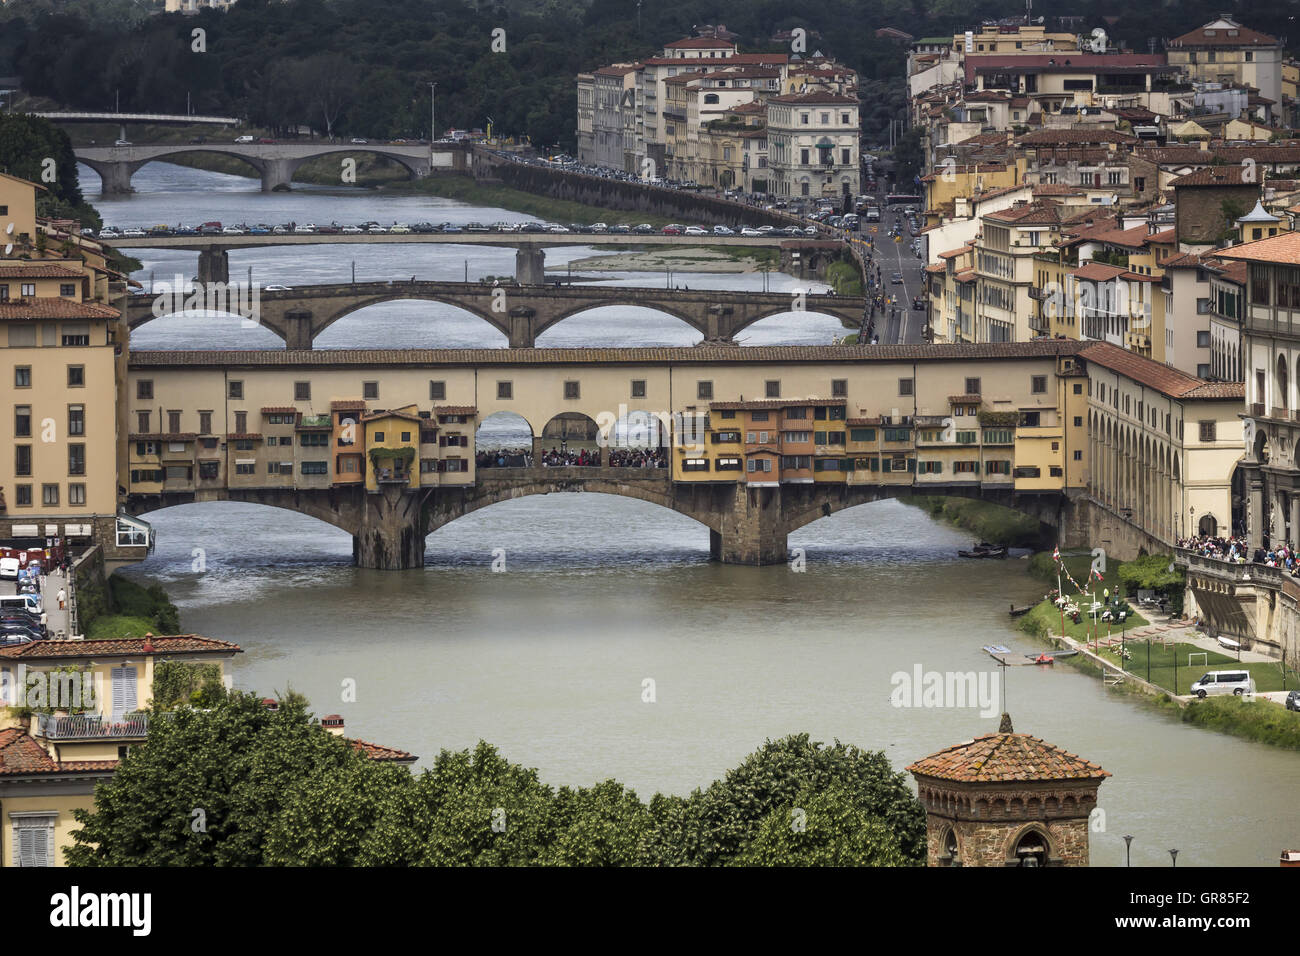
732, 810
1151, 572
829, 828
206, 787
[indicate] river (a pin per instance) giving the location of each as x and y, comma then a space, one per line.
549, 659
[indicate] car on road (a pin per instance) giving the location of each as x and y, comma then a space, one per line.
133, 233
304, 229
400, 229
281, 231
721, 230
896, 278
375, 229
695, 231
121, 142
620, 229
1293, 700
244, 139
261, 229
810, 230
349, 230
672, 229
232, 231
476, 227
108, 232
599, 227
918, 304
557, 228
751, 232
276, 288
644, 228
449, 227
359, 141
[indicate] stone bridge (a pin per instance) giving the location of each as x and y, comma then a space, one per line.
275, 163
746, 525
520, 312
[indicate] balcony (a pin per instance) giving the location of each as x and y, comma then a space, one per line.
90, 727
1257, 410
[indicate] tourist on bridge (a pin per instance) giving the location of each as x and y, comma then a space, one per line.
62, 597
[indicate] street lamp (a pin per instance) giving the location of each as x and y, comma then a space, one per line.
1128, 848
433, 123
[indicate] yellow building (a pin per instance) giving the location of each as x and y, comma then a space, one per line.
88, 701
392, 440
64, 361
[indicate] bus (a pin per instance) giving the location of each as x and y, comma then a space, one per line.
901, 199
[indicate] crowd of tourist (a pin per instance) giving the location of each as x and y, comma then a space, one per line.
638, 458
573, 458
1236, 550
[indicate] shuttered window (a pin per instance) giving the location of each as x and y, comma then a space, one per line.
33, 838
124, 698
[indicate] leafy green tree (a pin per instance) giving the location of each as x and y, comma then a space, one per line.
827, 828
206, 787
731, 810
1151, 572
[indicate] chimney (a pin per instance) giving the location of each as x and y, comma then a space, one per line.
333, 723
148, 648
1005, 726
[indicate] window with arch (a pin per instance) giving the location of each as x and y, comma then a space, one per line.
951, 849
710, 98
1031, 850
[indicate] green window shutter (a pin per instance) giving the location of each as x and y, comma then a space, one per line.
911, 465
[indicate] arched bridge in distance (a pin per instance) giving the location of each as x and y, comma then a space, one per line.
275, 163
520, 312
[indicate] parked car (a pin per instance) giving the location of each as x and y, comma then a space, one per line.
752, 232
721, 230
672, 229
644, 229
1293, 700
133, 233
108, 232
400, 229
621, 229
696, 231
351, 230
9, 569
232, 231
1224, 682
599, 227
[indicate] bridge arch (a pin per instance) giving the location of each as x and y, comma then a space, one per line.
332, 513
498, 321
551, 321
770, 312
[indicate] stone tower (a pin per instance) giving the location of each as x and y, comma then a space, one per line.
1007, 799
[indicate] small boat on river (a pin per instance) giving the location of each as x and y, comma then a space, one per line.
983, 550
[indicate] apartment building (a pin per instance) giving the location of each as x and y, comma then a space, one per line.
1224, 51
64, 358
812, 145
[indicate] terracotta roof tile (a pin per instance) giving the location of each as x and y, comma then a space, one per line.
764, 403
50, 308
685, 355
39, 270
279, 410
1098, 272
21, 754
1163, 378
999, 758
965, 399
455, 410
1218, 176
1074, 135
1220, 37
380, 752
119, 647
1283, 248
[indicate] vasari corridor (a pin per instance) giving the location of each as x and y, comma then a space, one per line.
627, 437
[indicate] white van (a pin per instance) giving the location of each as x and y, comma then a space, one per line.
243, 139
26, 602
9, 569
1224, 682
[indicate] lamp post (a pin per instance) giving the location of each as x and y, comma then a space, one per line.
433, 121
1128, 850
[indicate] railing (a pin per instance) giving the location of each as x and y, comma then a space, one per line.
1247, 573
84, 727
